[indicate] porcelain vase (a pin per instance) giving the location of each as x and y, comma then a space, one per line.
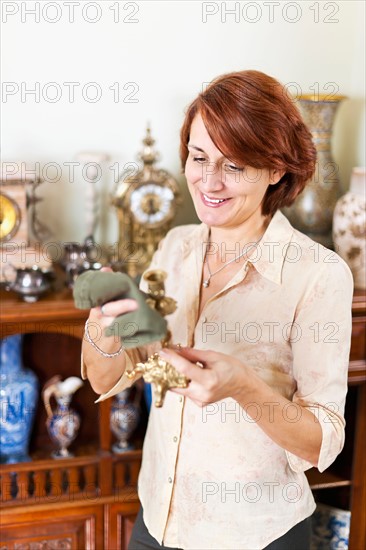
63, 426
125, 417
18, 401
312, 211
349, 227
330, 528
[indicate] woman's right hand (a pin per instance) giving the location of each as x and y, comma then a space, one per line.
111, 310
106, 316
103, 372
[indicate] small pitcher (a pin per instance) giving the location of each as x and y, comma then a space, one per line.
62, 424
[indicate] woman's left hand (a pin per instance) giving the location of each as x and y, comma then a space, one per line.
224, 376
214, 376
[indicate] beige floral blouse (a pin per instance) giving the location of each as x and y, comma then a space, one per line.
211, 478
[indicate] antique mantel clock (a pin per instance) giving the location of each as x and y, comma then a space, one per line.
13, 222
15, 246
12, 209
146, 203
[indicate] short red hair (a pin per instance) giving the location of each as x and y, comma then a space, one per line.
252, 120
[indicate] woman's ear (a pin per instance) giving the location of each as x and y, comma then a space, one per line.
275, 176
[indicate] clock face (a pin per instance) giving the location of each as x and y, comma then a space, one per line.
10, 218
152, 204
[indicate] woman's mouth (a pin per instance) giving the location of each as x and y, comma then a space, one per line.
213, 203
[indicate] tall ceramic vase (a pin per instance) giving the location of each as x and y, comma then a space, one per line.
18, 401
312, 212
349, 227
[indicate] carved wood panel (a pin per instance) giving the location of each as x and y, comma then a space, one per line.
64, 528
46, 544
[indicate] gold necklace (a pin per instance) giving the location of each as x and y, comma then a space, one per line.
206, 282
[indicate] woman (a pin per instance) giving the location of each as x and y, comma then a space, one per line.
265, 311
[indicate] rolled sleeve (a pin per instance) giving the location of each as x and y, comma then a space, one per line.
332, 426
123, 383
321, 346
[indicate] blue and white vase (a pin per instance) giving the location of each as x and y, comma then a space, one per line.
125, 417
330, 528
18, 401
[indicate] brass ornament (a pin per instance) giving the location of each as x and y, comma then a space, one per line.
162, 374
156, 370
156, 292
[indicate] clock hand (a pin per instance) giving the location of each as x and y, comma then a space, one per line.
151, 206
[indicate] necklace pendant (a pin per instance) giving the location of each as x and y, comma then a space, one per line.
206, 283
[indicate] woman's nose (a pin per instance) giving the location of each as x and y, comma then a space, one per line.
212, 179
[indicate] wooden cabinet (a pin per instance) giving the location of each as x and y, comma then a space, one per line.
90, 501
85, 502
344, 483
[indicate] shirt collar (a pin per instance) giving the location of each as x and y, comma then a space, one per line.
196, 242
269, 256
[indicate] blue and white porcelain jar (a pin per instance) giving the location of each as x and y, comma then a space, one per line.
18, 401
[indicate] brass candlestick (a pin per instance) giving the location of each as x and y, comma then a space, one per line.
156, 370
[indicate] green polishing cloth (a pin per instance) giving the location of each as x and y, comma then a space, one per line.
136, 328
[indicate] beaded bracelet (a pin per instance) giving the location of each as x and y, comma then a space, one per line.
109, 355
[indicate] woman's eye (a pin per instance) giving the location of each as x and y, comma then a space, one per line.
199, 159
232, 168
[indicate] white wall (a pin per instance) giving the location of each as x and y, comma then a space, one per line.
169, 53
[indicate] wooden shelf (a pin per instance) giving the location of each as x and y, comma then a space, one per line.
326, 480
359, 302
54, 312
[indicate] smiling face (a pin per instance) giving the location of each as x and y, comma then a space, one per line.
224, 195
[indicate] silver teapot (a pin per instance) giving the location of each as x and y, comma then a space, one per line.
29, 282
80, 257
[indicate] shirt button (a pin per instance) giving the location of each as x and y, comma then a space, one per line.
180, 399
175, 439
204, 320
170, 480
